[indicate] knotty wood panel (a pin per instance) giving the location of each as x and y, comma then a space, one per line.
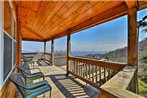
52, 19
99, 17
7, 17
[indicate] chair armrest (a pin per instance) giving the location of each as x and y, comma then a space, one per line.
36, 68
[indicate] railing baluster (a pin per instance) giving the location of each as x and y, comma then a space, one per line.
96, 74
100, 78
104, 71
86, 71
77, 68
81, 69
74, 67
92, 73
89, 72
69, 66
109, 73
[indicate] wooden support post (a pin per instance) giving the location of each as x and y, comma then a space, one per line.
52, 51
133, 41
68, 53
44, 49
18, 39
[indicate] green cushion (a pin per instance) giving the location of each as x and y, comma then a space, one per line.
37, 84
38, 91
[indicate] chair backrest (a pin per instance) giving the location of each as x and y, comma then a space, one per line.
19, 83
37, 56
23, 69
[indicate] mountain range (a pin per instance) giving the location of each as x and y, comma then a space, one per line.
120, 55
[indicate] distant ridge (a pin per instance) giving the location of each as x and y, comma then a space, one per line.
120, 54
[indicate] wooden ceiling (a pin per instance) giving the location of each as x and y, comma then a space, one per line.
46, 20
7, 15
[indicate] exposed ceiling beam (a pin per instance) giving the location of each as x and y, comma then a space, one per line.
142, 5
31, 39
131, 4
35, 33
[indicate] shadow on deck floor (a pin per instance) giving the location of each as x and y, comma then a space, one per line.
68, 86
64, 86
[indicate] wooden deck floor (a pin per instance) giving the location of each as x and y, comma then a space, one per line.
63, 86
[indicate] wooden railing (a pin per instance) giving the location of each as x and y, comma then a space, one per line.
93, 72
58, 60
122, 85
113, 79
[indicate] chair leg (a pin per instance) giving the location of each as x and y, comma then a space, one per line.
50, 94
44, 95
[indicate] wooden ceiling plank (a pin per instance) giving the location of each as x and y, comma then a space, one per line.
21, 11
142, 5
26, 12
56, 8
76, 6
32, 39
100, 18
28, 34
35, 5
57, 20
30, 30
61, 8
34, 8
64, 9
35, 15
90, 13
49, 8
58, 16
29, 13
73, 16
41, 14
69, 23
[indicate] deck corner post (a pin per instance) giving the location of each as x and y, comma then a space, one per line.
19, 40
133, 44
52, 51
68, 54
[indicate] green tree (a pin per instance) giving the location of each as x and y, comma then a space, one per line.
143, 24
144, 61
107, 57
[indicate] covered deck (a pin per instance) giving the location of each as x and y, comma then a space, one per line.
35, 23
64, 86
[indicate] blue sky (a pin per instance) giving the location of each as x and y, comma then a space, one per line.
104, 37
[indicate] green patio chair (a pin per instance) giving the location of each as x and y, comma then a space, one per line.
38, 58
31, 90
29, 77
